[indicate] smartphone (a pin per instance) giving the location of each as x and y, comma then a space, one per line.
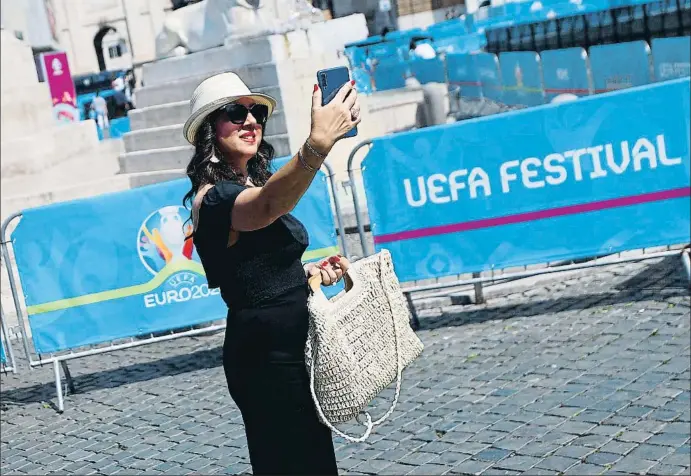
330, 82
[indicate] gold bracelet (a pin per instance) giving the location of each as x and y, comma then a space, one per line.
304, 162
309, 146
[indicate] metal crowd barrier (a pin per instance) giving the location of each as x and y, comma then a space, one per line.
356, 202
660, 162
7, 361
84, 321
337, 205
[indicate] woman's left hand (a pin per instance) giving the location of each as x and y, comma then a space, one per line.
330, 269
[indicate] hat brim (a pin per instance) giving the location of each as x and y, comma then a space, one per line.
197, 117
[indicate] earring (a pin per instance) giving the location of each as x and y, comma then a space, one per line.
214, 159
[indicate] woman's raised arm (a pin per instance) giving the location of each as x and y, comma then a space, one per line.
258, 207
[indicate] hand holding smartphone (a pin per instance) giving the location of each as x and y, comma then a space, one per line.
330, 81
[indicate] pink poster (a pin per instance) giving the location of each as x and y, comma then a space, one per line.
56, 72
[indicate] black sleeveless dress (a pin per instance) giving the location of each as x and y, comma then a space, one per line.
262, 281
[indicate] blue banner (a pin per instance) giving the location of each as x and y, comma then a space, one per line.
364, 83
3, 358
521, 78
671, 57
463, 74
487, 67
360, 68
620, 65
314, 211
110, 267
391, 75
555, 182
472, 43
118, 265
384, 52
356, 56
565, 73
428, 70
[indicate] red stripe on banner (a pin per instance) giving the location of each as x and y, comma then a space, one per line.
536, 215
609, 90
567, 91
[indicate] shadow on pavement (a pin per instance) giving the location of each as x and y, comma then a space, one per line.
109, 378
665, 275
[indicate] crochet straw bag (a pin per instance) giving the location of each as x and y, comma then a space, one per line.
358, 343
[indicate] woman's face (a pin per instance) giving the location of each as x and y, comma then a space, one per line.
239, 142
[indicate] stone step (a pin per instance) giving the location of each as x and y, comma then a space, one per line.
158, 116
47, 148
155, 138
26, 110
156, 159
265, 49
171, 136
257, 77
176, 112
92, 188
98, 163
178, 157
156, 176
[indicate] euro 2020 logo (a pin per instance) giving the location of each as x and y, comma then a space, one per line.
163, 247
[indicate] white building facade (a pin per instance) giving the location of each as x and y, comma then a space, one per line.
97, 35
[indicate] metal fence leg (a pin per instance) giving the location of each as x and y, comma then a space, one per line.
58, 385
13, 285
68, 376
415, 324
479, 296
686, 259
10, 352
356, 202
337, 208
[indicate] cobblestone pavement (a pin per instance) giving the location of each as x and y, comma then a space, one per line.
586, 376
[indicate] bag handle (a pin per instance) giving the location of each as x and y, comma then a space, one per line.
315, 282
369, 423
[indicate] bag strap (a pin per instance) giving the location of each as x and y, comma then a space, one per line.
384, 263
369, 423
353, 439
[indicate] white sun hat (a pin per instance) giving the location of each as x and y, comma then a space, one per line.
215, 92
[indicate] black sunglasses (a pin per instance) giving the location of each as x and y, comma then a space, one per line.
237, 113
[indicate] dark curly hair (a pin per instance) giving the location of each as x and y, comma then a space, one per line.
201, 171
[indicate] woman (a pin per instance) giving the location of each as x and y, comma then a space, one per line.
250, 247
